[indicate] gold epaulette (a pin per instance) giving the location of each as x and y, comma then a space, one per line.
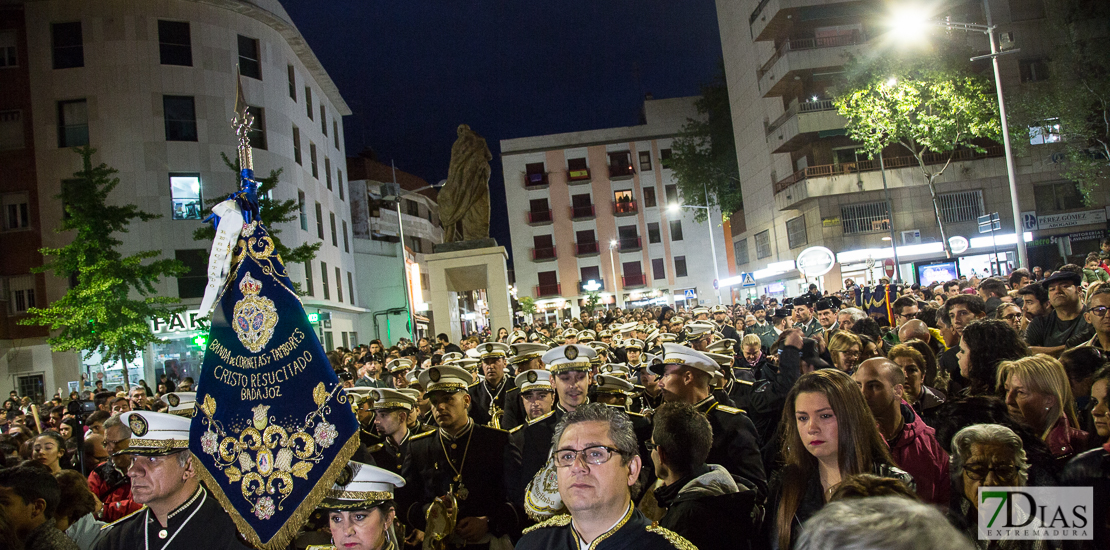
729, 410
120, 520
539, 418
674, 538
560, 521
474, 384
748, 382
514, 388
514, 430
375, 448
420, 435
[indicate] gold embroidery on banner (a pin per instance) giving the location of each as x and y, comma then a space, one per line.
254, 316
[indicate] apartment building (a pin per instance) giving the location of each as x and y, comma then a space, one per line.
806, 184
591, 211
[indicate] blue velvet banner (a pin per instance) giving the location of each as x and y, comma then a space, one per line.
876, 302
273, 428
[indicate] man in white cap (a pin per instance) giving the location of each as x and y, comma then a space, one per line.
699, 335
633, 349
488, 395
398, 370
393, 410
524, 357
649, 394
180, 403
612, 390
537, 394
721, 320
178, 511
360, 508
685, 377
462, 458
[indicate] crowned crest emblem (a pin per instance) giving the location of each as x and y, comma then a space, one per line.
532, 377
173, 399
434, 375
346, 475
138, 425
255, 316
571, 353
489, 348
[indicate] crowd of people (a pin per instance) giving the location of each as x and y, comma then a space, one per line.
807, 422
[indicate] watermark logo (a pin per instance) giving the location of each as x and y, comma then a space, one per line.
1035, 513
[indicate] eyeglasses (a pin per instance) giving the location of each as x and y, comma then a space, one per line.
1013, 316
651, 446
1099, 311
593, 455
978, 472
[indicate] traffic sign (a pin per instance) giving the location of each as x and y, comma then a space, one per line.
689, 294
746, 280
888, 267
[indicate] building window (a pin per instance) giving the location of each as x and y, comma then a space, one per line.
653, 233
21, 294
319, 222
17, 212
657, 270
338, 284
249, 64
292, 82
323, 120
671, 192
620, 164
335, 132
649, 197
645, 161
1033, 70
796, 231
69, 48
763, 245
297, 145
665, 158
185, 198
308, 101
339, 182
181, 118
334, 235
351, 297
1048, 131
680, 266
864, 217
174, 45
258, 127
8, 56
324, 278
961, 206
1057, 197
300, 210
11, 130
412, 208
312, 160
590, 273
308, 279
327, 172
676, 230
346, 241
192, 283
740, 250
73, 123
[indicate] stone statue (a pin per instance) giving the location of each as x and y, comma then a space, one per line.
465, 196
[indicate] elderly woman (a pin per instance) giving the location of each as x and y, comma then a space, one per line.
1038, 395
361, 509
922, 398
845, 349
985, 455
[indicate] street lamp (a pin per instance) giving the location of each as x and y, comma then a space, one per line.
396, 198
675, 207
913, 23
613, 267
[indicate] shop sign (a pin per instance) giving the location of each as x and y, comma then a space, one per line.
180, 322
815, 261
1071, 219
1092, 235
958, 244
830, 222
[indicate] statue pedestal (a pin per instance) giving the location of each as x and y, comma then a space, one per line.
466, 269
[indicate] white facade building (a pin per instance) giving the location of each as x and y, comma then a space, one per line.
593, 206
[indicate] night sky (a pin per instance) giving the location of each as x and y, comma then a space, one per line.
413, 71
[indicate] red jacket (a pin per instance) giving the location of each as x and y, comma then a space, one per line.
117, 500
917, 451
1065, 441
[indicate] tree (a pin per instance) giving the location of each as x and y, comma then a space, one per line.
99, 314
703, 157
528, 306
1072, 105
592, 299
928, 104
271, 212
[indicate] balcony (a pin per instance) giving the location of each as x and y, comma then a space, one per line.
862, 176
576, 177
624, 208
579, 213
799, 57
630, 244
803, 123
586, 249
771, 18
537, 180
543, 254
619, 172
632, 281
543, 291
539, 217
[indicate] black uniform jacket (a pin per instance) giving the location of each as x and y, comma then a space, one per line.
735, 442
199, 522
482, 395
632, 532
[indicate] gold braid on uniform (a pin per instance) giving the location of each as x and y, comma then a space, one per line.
562, 521
676, 539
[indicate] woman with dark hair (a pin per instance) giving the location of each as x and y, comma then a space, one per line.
1100, 408
503, 335
829, 434
986, 343
361, 510
49, 449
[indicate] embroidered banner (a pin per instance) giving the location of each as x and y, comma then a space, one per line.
875, 301
273, 427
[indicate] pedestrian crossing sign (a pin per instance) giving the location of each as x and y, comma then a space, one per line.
746, 280
690, 294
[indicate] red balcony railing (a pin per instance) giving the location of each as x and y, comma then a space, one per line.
634, 280
826, 170
582, 212
548, 290
624, 208
539, 216
630, 244
535, 180
578, 176
585, 249
543, 253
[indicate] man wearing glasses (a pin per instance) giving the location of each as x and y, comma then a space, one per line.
1064, 327
1098, 305
597, 464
